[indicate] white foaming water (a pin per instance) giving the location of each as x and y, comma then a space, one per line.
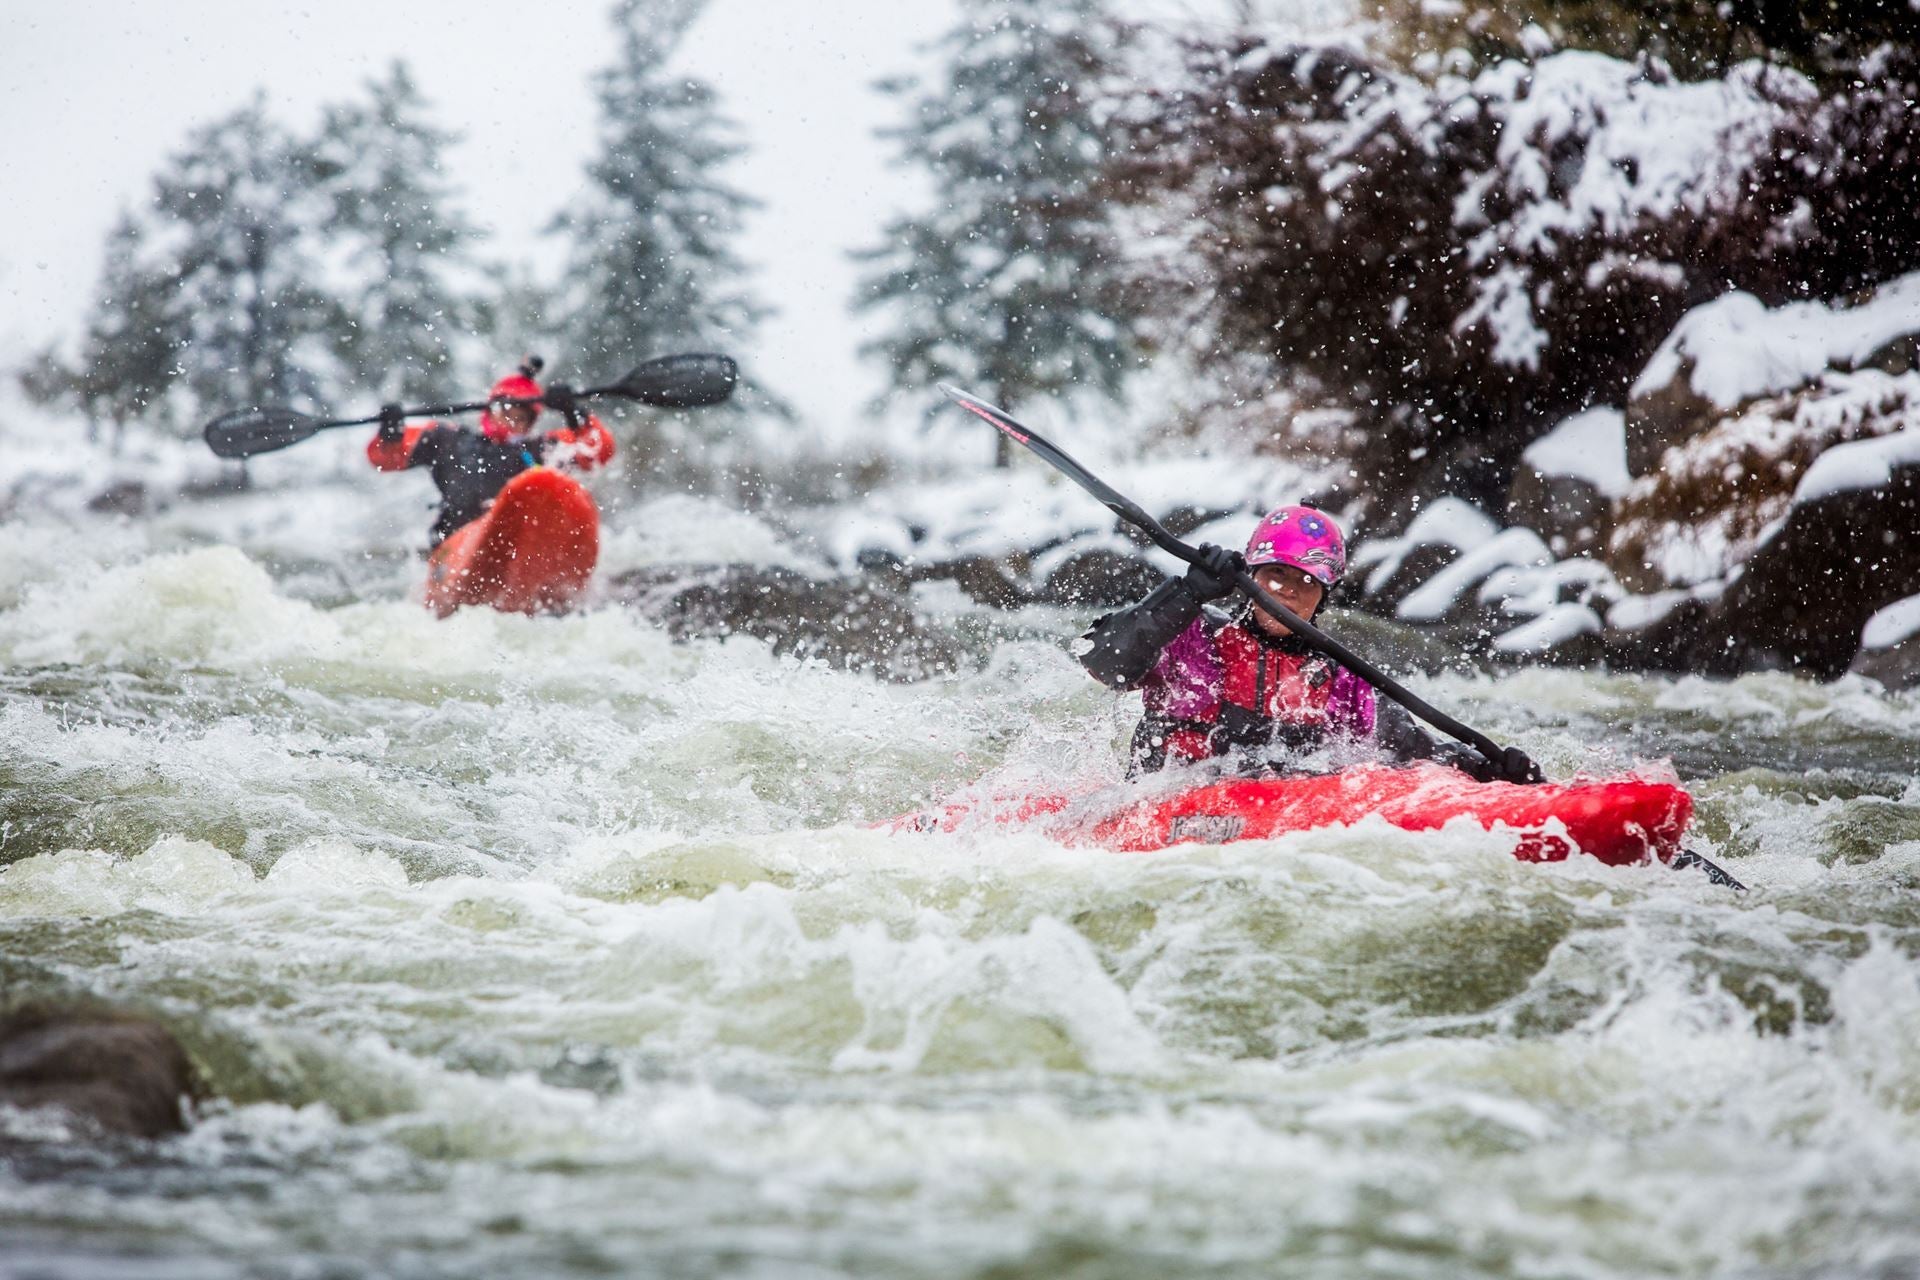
548, 946
681, 529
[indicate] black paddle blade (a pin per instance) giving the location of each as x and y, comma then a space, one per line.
249, 431
689, 381
1715, 873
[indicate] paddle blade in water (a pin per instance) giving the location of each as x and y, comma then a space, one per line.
249, 431
681, 382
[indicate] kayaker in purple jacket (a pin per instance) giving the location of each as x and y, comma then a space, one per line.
1241, 683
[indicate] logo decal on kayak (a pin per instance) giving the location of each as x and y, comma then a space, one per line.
1206, 828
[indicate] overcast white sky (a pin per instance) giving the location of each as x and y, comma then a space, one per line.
100, 92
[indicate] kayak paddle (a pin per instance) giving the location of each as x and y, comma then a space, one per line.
688, 381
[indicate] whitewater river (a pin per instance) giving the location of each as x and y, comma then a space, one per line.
549, 947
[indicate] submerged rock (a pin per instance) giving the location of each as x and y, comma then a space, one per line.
122, 498
123, 1072
983, 579
848, 623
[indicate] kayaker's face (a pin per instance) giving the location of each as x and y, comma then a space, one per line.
518, 417
1298, 590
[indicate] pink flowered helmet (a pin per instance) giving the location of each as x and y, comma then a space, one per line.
1307, 539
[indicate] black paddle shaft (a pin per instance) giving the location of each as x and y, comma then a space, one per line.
674, 382
1131, 512
688, 381
465, 406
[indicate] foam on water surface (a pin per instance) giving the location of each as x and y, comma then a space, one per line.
548, 946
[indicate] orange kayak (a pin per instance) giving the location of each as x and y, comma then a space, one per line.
531, 552
1620, 821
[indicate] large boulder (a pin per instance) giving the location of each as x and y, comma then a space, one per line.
1844, 553
1802, 599
123, 1072
848, 623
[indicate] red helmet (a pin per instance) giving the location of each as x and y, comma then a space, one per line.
518, 385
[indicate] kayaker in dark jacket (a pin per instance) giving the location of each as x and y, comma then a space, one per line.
1241, 683
469, 467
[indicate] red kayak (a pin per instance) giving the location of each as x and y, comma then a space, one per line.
532, 552
1621, 821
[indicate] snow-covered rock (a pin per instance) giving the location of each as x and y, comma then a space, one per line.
1552, 630
1440, 595
1735, 350
1865, 464
1718, 496
1638, 613
1890, 645
1025, 511
1567, 481
1893, 625
1590, 447
1802, 599
1533, 590
1394, 567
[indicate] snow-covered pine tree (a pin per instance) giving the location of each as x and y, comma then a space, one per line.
651, 266
515, 315
399, 240
1011, 282
126, 360
250, 313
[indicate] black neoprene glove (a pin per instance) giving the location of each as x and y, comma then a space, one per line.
1211, 576
562, 399
1513, 765
393, 422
